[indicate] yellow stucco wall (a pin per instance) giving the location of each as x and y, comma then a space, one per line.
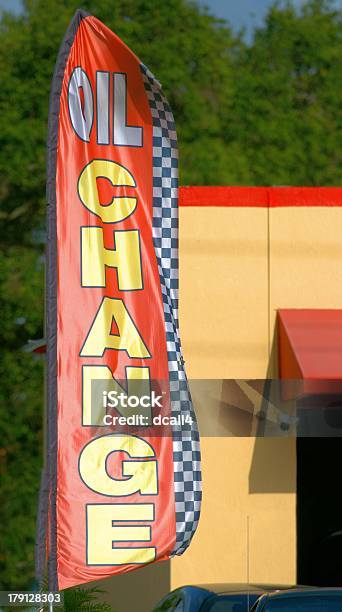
223, 292
224, 549
238, 266
226, 331
305, 258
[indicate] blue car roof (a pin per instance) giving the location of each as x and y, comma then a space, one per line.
305, 592
220, 588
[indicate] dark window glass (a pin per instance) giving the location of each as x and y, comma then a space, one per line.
317, 603
227, 603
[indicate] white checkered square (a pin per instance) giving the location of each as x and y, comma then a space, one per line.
186, 451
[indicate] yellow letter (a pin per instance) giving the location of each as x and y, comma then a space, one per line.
102, 535
99, 338
97, 379
120, 207
125, 257
142, 474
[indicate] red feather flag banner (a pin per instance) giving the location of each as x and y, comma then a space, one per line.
122, 484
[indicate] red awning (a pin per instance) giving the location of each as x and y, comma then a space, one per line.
310, 350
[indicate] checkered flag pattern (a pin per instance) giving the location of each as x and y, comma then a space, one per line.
186, 451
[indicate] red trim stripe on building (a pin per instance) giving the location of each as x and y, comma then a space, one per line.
260, 197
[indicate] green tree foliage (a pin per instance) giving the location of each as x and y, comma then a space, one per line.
266, 113
84, 600
287, 103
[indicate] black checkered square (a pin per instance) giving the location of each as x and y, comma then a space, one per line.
186, 451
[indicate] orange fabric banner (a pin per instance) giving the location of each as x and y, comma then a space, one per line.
120, 494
